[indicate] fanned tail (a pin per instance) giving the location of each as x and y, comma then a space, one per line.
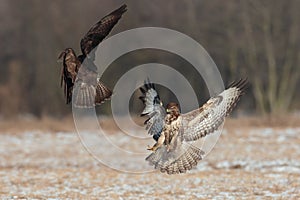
84, 96
186, 161
88, 96
102, 93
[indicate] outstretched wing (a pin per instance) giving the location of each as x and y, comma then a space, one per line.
205, 120
153, 109
89, 91
100, 30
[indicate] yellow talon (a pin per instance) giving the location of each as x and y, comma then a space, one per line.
150, 148
154, 148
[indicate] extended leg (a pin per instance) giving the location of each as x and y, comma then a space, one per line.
158, 144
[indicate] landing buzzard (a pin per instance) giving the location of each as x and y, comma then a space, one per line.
175, 133
90, 90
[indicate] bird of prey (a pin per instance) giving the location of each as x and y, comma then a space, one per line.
175, 133
90, 90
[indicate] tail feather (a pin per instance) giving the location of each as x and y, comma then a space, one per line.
91, 99
170, 169
87, 96
84, 96
164, 166
176, 168
181, 167
174, 165
102, 93
153, 158
187, 161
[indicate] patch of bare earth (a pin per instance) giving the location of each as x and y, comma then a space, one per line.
247, 162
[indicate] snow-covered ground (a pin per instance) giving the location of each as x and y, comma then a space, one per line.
251, 163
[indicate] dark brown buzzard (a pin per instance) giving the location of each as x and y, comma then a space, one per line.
90, 90
175, 133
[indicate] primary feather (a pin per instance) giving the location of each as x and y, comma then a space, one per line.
82, 71
175, 133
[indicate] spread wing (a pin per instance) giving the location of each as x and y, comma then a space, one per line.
153, 109
100, 30
88, 91
211, 115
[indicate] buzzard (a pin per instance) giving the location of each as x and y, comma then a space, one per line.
90, 90
175, 133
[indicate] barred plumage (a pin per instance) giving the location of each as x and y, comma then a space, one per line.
81, 72
175, 133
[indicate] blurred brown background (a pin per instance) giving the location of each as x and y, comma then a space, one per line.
42, 157
255, 39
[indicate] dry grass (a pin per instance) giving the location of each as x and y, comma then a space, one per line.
48, 124
45, 124
249, 161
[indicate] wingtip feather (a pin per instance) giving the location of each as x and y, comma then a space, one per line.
119, 11
242, 84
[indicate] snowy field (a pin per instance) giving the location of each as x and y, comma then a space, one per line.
262, 163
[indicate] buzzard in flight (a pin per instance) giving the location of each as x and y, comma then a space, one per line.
175, 133
90, 90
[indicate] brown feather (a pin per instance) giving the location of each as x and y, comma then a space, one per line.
100, 30
102, 93
90, 91
177, 154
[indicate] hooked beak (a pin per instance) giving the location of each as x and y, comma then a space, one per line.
168, 110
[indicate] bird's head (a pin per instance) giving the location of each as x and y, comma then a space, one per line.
173, 108
64, 53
